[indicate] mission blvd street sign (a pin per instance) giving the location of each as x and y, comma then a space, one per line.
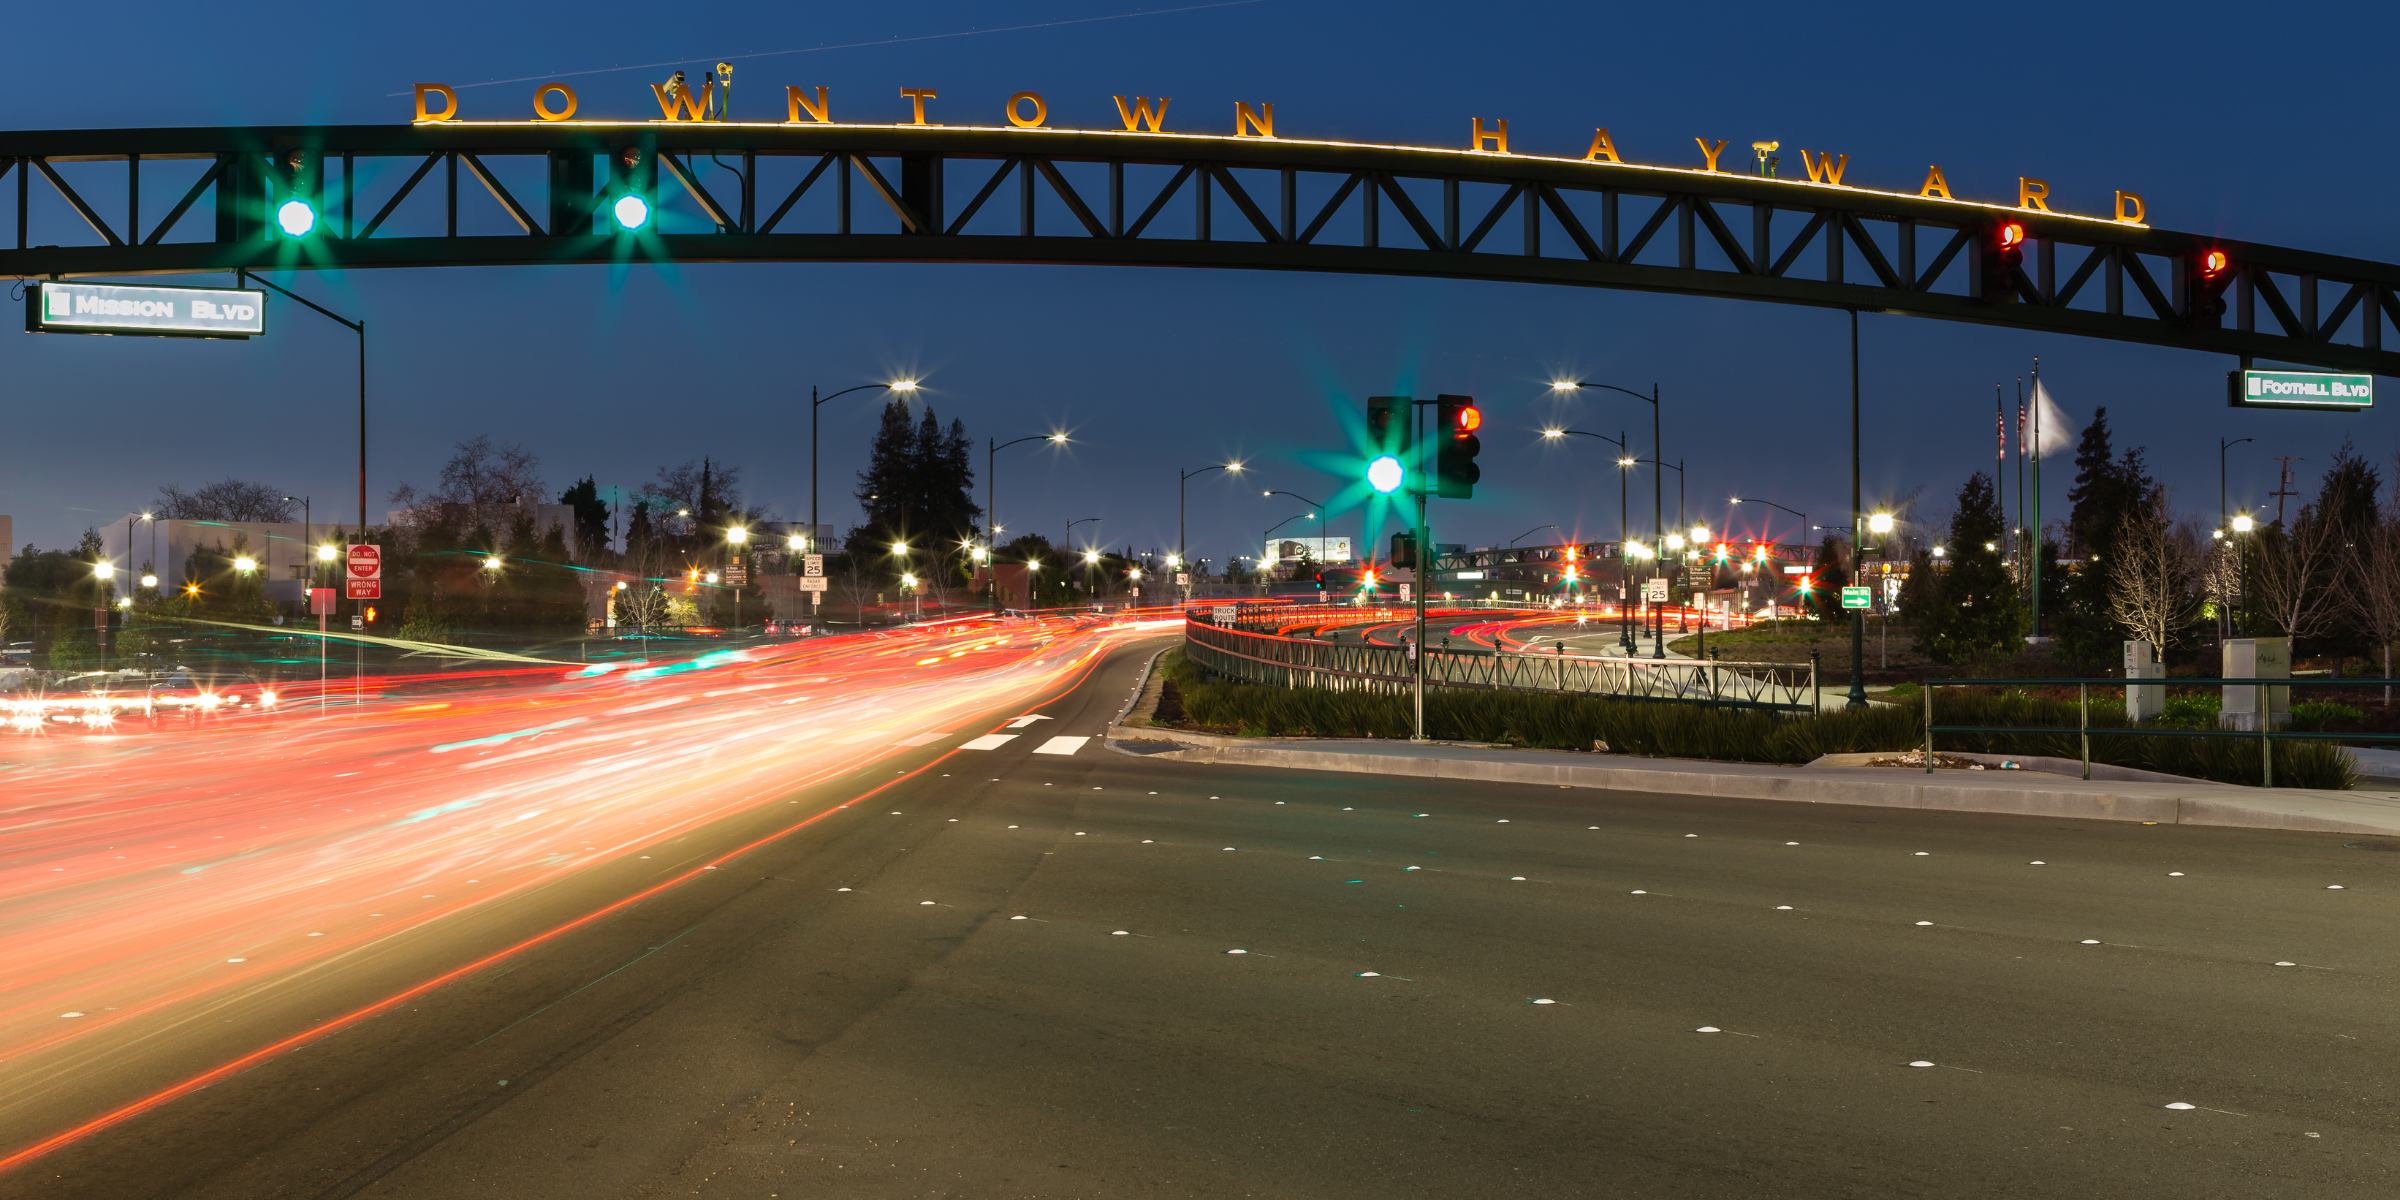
53, 306
2300, 389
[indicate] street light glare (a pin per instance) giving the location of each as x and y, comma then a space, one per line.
1564, 385
1059, 438
904, 385
2243, 524
1091, 556
1551, 433
149, 581
296, 217
104, 569
324, 554
1880, 523
1699, 533
899, 547
796, 541
245, 564
737, 535
491, 563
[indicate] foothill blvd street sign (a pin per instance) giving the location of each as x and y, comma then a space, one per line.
2321, 390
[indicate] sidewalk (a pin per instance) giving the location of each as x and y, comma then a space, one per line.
2028, 793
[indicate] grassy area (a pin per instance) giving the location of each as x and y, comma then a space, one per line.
1671, 730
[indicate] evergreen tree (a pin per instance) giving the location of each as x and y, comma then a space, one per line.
1978, 611
591, 520
1830, 575
2076, 613
919, 484
2092, 506
2346, 498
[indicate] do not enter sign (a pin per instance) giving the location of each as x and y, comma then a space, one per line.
364, 578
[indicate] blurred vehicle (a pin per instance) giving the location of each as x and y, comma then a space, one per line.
205, 692
17, 654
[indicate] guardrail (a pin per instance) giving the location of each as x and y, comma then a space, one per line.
1289, 662
2264, 734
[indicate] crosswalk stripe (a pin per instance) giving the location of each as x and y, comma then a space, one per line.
1061, 745
989, 741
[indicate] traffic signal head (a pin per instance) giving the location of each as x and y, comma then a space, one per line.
1404, 550
298, 176
1390, 431
1455, 472
1999, 259
2210, 273
632, 184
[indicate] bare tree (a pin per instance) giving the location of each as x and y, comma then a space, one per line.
2150, 576
2371, 591
481, 485
2292, 572
225, 500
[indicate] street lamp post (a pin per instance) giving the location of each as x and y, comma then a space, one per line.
1657, 485
1067, 547
1624, 565
1320, 514
903, 386
243, 276
2224, 605
991, 497
1182, 559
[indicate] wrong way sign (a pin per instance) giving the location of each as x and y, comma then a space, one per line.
363, 578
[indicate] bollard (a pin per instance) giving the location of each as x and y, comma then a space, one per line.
2083, 701
1928, 686
1816, 676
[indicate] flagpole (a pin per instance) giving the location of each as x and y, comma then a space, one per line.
2020, 536
2037, 496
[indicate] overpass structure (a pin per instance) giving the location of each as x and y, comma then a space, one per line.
128, 202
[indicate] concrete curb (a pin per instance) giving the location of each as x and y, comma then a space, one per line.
2186, 803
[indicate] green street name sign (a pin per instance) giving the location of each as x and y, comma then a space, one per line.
2301, 389
52, 306
1858, 597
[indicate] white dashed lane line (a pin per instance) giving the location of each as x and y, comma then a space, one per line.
989, 741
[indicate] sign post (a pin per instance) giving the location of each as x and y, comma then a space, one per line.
362, 579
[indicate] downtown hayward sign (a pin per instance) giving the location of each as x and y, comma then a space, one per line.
54, 306
2249, 388
680, 101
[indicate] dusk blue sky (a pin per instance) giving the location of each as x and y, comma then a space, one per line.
2254, 122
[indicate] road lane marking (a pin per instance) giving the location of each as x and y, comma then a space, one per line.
1027, 719
1061, 745
989, 741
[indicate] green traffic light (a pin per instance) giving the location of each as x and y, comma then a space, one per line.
632, 212
1384, 474
296, 218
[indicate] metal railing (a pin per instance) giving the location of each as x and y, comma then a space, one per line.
1290, 662
2264, 735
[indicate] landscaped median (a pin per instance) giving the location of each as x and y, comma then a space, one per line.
1187, 701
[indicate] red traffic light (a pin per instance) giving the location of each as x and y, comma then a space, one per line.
2214, 262
2011, 234
1470, 419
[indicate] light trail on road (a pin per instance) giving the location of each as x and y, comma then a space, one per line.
150, 876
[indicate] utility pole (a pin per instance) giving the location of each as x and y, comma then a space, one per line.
1858, 525
2285, 489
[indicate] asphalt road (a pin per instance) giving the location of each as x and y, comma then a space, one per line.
1445, 989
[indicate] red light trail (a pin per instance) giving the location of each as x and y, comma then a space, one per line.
123, 919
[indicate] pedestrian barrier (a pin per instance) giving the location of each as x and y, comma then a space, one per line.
1290, 662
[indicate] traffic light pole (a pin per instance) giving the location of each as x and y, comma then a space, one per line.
1421, 570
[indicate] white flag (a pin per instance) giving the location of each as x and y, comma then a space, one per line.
2057, 431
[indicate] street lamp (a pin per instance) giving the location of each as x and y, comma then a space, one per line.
245, 564
1231, 468
902, 386
1320, 514
1624, 572
991, 489
1657, 485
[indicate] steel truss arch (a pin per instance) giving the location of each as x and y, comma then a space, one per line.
940, 194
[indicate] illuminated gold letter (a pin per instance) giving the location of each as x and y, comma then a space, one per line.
1498, 137
2131, 201
1140, 114
543, 111
1244, 120
682, 100
799, 104
1825, 168
449, 98
2033, 194
1711, 152
1041, 111
917, 98
1601, 148
1935, 185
